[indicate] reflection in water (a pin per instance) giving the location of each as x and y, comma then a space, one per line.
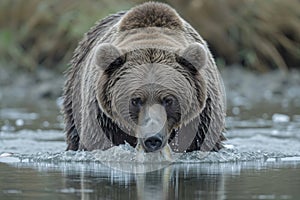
92, 180
97, 181
172, 182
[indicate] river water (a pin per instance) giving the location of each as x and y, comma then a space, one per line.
261, 159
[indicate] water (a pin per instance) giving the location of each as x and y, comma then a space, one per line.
252, 180
261, 160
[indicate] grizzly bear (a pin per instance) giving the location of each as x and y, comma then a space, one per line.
144, 77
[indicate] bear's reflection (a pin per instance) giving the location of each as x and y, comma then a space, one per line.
180, 181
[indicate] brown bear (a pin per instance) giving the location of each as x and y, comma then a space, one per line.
144, 77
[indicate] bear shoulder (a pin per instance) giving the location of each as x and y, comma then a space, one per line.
72, 88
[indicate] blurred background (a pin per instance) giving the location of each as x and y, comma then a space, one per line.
261, 35
247, 38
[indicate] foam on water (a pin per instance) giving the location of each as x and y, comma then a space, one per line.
127, 154
237, 149
124, 158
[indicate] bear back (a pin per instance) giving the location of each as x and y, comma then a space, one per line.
152, 14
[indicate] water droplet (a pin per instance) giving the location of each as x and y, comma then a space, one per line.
19, 122
235, 110
265, 115
7, 127
279, 118
46, 124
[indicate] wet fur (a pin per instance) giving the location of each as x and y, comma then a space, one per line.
86, 120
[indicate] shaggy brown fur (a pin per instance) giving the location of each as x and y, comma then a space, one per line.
150, 44
151, 15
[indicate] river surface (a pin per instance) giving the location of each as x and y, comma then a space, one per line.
261, 158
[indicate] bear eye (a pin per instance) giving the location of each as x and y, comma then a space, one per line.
136, 102
168, 101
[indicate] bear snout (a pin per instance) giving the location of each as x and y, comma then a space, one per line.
153, 143
152, 129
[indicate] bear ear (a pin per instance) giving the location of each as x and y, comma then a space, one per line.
195, 54
108, 55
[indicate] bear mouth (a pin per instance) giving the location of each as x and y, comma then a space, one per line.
165, 151
157, 143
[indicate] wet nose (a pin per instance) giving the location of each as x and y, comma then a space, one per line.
153, 143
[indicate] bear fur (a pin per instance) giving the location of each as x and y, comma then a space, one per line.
111, 63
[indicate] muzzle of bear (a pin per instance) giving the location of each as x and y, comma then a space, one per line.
152, 131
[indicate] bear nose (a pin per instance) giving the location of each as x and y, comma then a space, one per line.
153, 143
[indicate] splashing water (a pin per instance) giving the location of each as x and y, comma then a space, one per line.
24, 138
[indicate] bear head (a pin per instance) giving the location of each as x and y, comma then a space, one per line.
150, 93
